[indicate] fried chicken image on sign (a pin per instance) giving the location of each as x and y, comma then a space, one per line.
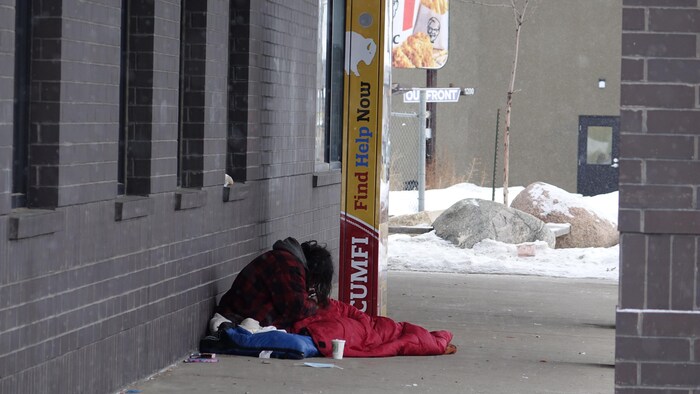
416, 51
437, 6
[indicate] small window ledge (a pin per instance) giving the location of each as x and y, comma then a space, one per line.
29, 223
132, 207
190, 199
236, 192
327, 178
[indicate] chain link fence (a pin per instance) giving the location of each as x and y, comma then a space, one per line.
404, 160
404, 140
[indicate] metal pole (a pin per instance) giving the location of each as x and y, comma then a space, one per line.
431, 123
421, 156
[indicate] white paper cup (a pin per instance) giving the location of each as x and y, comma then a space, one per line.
338, 348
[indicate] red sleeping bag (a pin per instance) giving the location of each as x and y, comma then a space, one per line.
368, 336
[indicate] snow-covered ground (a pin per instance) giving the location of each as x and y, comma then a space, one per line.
428, 252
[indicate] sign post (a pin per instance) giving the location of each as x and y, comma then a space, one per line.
422, 116
364, 196
423, 96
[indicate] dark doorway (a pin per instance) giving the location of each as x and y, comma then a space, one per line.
598, 152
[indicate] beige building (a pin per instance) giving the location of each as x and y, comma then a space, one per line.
569, 49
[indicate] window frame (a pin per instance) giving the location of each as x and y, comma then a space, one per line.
330, 85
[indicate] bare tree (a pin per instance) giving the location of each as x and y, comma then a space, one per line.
519, 16
520, 9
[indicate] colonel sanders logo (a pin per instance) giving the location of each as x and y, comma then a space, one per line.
433, 28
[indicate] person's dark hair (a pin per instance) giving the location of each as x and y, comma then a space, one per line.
320, 264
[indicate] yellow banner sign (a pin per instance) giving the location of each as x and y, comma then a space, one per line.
362, 272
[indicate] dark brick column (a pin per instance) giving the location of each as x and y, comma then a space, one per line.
658, 320
45, 107
154, 33
193, 54
7, 64
140, 97
238, 113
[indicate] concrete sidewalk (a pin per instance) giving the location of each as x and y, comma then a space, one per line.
515, 334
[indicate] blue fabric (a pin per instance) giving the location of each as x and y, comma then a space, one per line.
242, 342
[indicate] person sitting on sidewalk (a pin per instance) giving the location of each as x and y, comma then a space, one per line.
281, 286
289, 287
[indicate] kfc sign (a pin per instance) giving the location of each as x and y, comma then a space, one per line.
420, 33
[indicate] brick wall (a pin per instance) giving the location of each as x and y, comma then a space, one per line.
658, 320
103, 289
89, 91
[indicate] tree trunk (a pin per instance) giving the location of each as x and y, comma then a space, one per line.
509, 105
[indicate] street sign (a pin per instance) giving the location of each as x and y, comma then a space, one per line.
433, 95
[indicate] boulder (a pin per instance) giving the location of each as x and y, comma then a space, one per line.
472, 220
554, 205
412, 219
424, 218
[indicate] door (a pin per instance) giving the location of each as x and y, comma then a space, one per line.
598, 152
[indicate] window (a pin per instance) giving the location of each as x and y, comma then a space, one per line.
330, 79
599, 146
20, 165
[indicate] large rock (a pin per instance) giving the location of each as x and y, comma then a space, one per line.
424, 218
412, 219
554, 205
472, 220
